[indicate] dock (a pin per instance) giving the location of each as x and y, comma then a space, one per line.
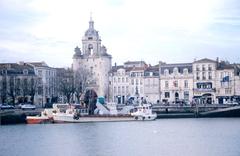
15, 116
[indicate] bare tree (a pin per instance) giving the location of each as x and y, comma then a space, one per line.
66, 84
82, 78
25, 89
12, 92
3, 89
33, 88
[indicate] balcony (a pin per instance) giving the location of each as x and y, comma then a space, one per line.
204, 90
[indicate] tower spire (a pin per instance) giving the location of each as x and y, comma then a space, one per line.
90, 16
91, 23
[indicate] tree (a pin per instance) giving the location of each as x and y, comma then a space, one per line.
33, 88
12, 92
82, 78
25, 89
66, 84
3, 89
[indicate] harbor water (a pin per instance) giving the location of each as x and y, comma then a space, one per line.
163, 137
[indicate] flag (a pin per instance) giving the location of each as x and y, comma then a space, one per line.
225, 79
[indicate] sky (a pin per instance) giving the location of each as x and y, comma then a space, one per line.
172, 31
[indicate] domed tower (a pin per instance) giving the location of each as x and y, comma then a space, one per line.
95, 59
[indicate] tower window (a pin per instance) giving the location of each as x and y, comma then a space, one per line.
90, 38
90, 49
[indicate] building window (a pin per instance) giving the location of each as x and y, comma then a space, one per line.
166, 72
203, 67
126, 79
209, 67
221, 75
185, 71
136, 81
132, 81
123, 90
185, 83
175, 70
119, 91
123, 79
197, 68
166, 84
167, 95
127, 90
210, 75
228, 91
203, 75
40, 73
25, 72
186, 95
119, 80
114, 80
175, 83
198, 77
115, 90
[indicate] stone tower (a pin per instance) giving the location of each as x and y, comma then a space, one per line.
95, 59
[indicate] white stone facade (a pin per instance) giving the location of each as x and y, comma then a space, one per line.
95, 59
204, 77
176, 83
127, 81
46, 87
152, 84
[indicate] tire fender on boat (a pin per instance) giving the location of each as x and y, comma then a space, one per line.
76, 117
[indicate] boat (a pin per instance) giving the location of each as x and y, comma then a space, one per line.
44, 117
105, 113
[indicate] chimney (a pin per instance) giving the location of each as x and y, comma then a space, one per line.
21, 63
217, 60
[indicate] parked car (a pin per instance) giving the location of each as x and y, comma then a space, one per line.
234, 103
6, 106
19, 106
28, 106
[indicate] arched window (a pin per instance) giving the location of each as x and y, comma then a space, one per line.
90, 49
175, 70
185, 71
166, 72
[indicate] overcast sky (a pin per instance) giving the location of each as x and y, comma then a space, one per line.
172, 31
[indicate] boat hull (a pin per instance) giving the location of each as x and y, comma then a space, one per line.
37, 120
84, 119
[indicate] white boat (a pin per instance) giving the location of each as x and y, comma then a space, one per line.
140, 113
144, 112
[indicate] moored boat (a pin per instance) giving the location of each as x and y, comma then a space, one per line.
44, 117
142, 112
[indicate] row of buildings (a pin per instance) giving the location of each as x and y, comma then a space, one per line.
33, 82
203, 81
200, 81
